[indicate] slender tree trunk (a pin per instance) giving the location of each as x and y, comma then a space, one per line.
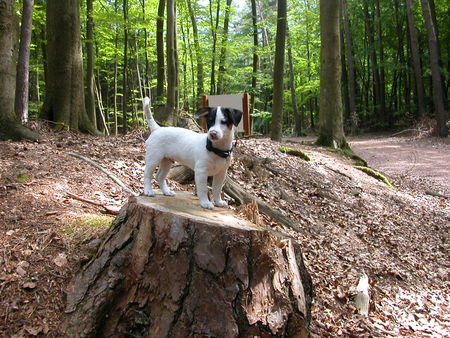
331, 131
172, 77
22, 79
374, 61
308, 65
350, 70
381, 64
214, 29
10, 126
199, 58
223, 51
90, 82
438, 94
255, 64
160, 64
295, 111
116, 75
125, 69
276, 131
414, 45
65, 100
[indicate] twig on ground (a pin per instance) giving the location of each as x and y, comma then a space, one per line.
105, 171
108, 209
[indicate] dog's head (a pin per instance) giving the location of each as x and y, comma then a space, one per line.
220, 121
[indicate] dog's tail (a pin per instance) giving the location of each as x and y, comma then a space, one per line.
148, 115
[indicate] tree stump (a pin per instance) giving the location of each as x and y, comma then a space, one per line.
168, 268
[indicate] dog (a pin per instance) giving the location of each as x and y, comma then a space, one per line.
208, 154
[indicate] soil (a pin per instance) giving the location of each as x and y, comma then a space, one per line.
351, 224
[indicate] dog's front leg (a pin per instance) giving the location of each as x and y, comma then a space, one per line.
217, 185
201, 182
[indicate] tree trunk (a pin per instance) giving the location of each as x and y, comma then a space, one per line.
65, 100
160, 57
350, 70
10, 126
331, 131
414, 45
214, 28
90, 81
295, 111
172, 76
438, 94
168, 268
255, 64
199, 58
223, 51
381, 63
278, 73
125, 69
22, 79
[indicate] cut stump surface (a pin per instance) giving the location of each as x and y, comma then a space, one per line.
168, 268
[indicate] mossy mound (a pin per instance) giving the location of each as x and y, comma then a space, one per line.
295, 152
375, 174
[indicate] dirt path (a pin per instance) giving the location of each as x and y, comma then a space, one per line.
427, 158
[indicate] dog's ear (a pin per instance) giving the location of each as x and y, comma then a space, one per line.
202, 112
234, 115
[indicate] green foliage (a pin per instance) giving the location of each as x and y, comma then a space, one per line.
303, 21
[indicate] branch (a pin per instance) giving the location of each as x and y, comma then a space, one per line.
105, 171
108, 209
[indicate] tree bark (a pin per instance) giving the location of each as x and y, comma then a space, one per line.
295, 111
414, 45
172, 76
125, 69
350, 70
438, 94
278, 73
198, 55
10, 126
331, 130
160, 57
22, 79
374, 61
223, 50
255, 64
90, 81
168, 268
214, 28
65, 100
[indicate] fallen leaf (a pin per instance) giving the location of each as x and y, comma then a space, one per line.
34, 331
29, 286
60, 260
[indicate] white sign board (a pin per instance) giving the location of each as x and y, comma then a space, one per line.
228, 101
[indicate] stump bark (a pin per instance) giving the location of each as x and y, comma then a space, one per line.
168, 268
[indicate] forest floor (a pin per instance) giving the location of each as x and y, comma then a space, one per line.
352, 224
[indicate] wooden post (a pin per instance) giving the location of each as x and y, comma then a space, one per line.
205, 103
246, 115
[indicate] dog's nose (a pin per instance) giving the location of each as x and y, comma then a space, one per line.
213, 134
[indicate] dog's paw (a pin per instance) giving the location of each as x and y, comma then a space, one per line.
206, 205
149, 192
169, 192
220, 203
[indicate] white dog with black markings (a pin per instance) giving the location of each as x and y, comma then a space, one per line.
207, 154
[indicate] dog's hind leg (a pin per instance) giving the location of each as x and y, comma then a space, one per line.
164, 168
150, 166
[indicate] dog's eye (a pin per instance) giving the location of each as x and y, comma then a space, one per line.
223, 121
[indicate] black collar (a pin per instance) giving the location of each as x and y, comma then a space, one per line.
219, 152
